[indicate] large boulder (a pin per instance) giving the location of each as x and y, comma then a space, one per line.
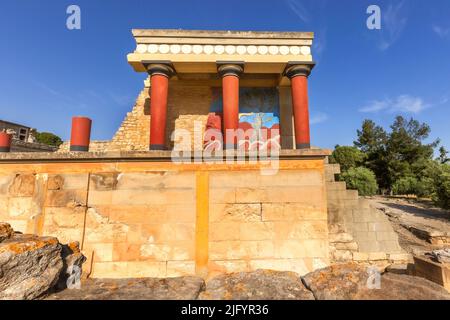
29, 266
352, 281
32, 266
257, 285
6, 231
181, 288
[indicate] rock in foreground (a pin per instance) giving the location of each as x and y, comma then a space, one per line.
6, 231
181, 288
350, 282
258, 285
31, 266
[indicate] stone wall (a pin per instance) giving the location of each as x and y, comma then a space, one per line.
358, 231
160, 219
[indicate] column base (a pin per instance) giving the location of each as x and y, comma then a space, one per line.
157, 147
303, 146
5, 149
79, 148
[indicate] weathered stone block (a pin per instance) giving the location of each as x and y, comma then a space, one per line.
66, 198
377, 256
160, 233
340, 237
20, 208
368, 246
75, 181
349, 246
360, 256
222, 195
23, 185
365, 236
361, 226
224, 231
103, 181
397, 257
301, 230
102, 198
342, 255
386, 235
351, 195
390, 246
235, 212
55, 182
256, 231
292, 212
103, 252
225, 250
65, 217
155, 180
160, 196
226, 266
180, 268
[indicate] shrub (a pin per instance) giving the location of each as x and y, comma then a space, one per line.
347, 157
442, 187
48, 138
361, 179
405, 186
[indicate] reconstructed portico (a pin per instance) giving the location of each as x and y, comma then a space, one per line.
139, 213
226, 63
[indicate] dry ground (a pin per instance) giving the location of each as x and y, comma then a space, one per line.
405, 213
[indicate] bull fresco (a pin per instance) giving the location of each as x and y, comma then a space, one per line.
258, 117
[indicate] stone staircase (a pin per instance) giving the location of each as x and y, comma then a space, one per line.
358, 231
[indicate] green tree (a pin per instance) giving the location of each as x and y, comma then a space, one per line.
361, 179
405, 148
348, 157
442, 186
372, 140
443, 155
48, 138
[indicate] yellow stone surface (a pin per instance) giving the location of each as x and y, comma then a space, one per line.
158, 219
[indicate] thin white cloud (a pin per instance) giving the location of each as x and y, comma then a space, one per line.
319, 117
393, 23
403, 103
299, 9
441, 31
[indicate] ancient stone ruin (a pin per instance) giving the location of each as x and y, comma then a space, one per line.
144, 205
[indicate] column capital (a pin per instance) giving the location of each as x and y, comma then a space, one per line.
164, 68
230, 68
294, 69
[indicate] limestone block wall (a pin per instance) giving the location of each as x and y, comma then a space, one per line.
358, 231
160, 219
269, 222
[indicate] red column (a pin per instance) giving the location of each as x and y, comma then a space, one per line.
159, 81
230, 96
81, 134
5, 142
299, 88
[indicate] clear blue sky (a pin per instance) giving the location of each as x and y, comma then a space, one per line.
48, 73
